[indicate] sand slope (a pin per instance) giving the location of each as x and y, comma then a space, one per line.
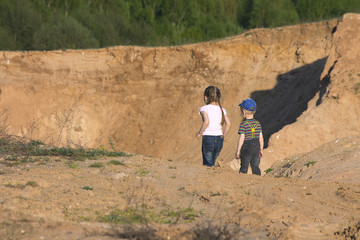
147, 99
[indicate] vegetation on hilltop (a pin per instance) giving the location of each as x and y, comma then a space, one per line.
63, 24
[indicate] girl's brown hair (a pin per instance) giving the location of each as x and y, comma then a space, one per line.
213, 94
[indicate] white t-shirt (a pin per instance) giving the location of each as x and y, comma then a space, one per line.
214, 114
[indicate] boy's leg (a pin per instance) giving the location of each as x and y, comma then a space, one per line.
245, 160
254, 163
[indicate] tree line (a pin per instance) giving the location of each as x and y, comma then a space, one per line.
80, 24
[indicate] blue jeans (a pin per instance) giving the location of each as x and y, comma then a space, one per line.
211, 147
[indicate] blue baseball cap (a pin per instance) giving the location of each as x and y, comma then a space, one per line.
248, 104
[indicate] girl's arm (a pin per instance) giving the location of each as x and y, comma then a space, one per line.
261, 140
227, 127
204, 125
240, 143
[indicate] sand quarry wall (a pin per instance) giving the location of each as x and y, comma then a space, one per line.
305, 79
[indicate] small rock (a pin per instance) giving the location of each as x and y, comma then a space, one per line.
120, 175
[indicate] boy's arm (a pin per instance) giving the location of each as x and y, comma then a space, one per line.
261, 140
204, 125
240, 143
227, 127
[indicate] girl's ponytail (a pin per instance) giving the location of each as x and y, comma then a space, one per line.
218, 96
222, 114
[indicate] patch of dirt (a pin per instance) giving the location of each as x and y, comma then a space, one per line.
52, 199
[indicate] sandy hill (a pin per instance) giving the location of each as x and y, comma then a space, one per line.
146, 100
305, 79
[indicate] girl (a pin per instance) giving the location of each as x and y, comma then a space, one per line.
213, 116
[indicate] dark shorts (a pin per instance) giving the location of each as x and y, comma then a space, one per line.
250, 155
211, 147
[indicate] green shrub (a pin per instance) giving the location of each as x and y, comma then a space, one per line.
142, 172
97, 165
116, 162
73, 165
143, 215
15, 147
312, 162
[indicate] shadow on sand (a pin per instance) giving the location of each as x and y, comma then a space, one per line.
283, 104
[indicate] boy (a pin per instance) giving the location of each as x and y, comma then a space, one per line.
251, 141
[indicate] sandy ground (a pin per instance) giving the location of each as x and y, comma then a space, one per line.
45, 198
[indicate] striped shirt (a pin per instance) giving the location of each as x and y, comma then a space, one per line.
251, 128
